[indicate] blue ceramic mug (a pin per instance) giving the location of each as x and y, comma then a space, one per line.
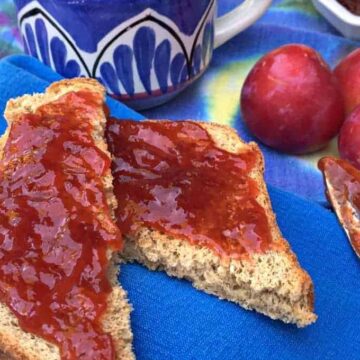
143, 51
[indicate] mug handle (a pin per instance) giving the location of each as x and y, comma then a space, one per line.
237, 20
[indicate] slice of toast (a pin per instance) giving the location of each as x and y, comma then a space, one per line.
272, 283
17, 343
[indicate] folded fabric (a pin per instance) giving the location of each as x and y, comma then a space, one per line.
21, 74
173, 321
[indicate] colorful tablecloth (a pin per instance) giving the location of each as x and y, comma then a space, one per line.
215, 97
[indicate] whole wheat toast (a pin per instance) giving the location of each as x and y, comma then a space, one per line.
272, 283
18, 344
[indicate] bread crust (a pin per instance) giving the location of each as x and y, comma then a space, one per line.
20, 345
272, 283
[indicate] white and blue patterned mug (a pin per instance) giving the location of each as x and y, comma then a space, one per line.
144, 51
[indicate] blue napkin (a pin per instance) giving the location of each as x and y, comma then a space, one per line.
173, 321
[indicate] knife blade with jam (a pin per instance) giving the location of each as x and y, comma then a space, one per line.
342, 181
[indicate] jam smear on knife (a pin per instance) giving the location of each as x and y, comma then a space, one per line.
342, 181
351, 5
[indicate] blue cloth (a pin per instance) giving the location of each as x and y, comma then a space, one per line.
27, 75
173, 321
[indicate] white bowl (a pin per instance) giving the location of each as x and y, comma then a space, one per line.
341, 18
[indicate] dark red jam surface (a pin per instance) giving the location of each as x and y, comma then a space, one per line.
344, 180
171, 176
55, 227
352, 5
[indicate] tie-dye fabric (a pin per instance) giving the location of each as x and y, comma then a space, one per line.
10, 41
215, 97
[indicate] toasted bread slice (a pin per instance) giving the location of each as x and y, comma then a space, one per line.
19, 344
272, 283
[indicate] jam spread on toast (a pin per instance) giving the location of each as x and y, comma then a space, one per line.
55, 227
342, 181
172, 177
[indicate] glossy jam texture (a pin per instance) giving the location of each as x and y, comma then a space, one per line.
55, 227
171, 176
345, 188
